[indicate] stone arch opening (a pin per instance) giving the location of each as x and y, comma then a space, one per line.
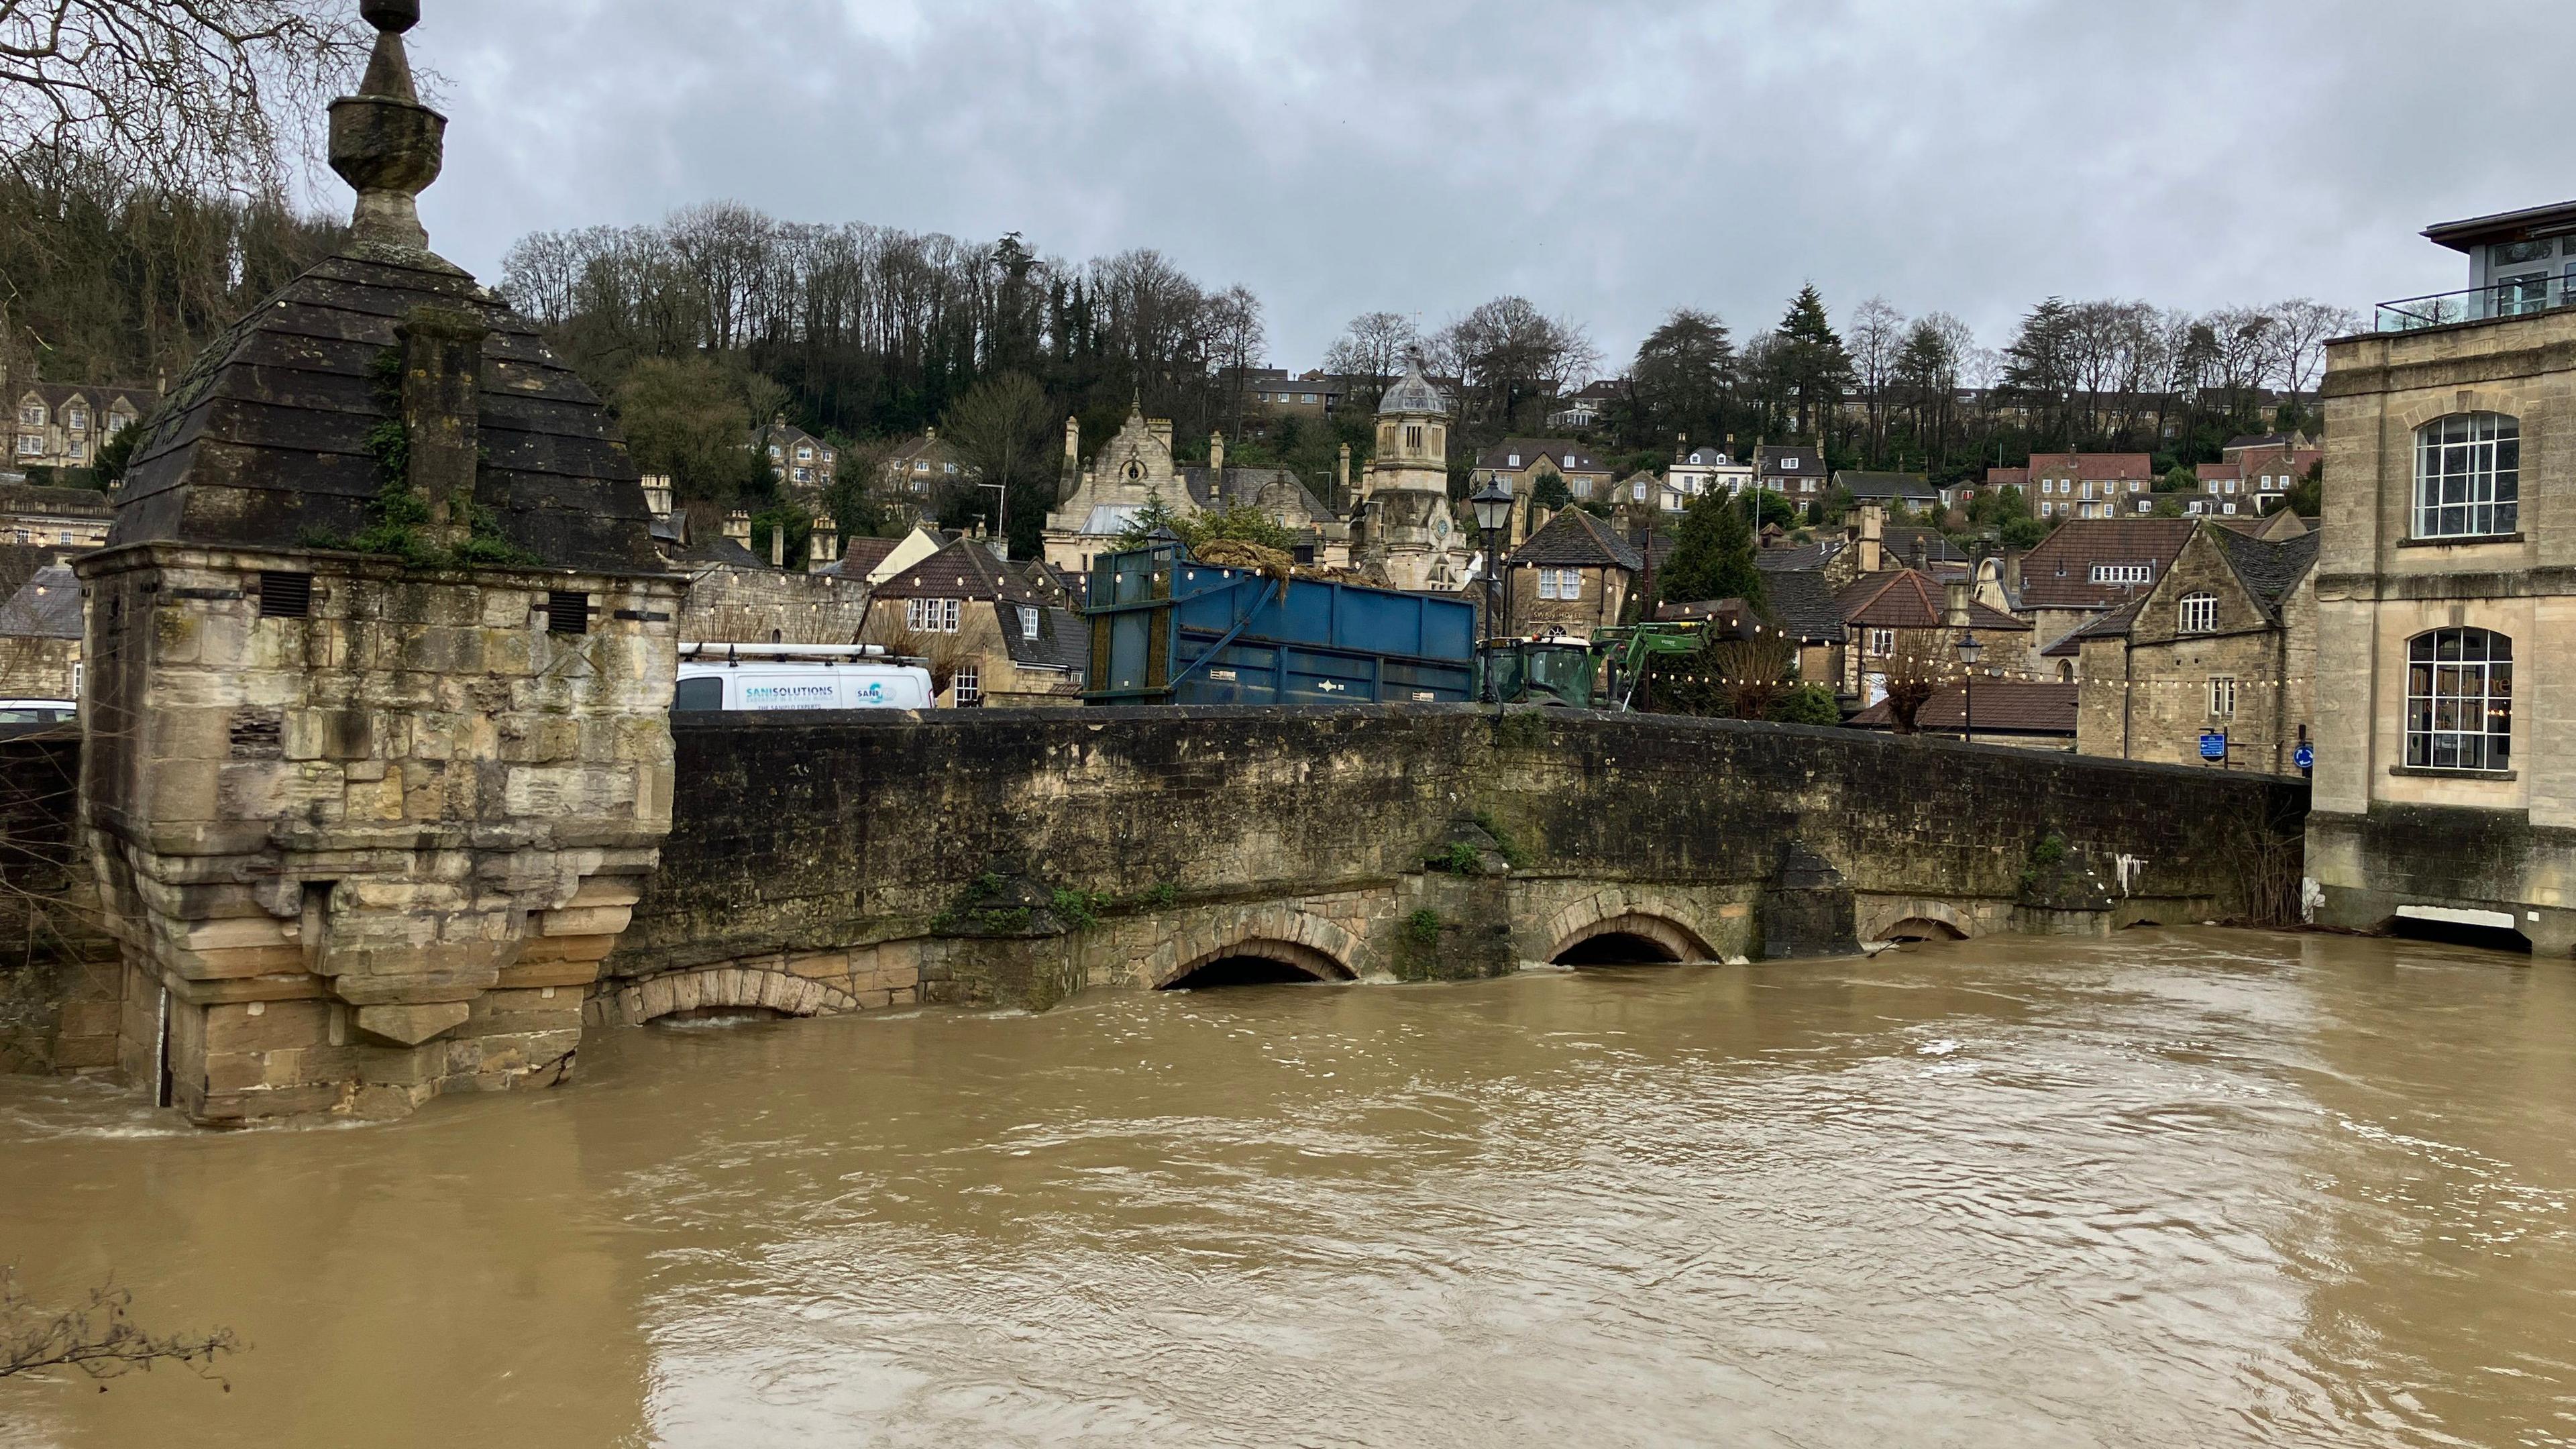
1256, 962
2461, 933
716, 993
1917, 929
714, 1016
1633, 938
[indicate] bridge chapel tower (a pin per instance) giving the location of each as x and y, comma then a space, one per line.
1404, 531
377, 750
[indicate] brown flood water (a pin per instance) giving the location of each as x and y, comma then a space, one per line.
2180, 1188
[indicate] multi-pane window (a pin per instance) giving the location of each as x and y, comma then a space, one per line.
930, 616
32, 415
2141, 573
2199, 614
2222, 696
1882, 642
2468, 476
1028, 621
2459, 700
30, 446
970, 686
76, 419
1560, 583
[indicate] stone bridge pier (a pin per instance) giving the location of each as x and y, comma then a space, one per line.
823, 864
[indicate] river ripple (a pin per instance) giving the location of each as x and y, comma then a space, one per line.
2176, 1188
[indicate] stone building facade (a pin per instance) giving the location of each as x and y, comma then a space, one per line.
1405, 535
2446, 591
999, 640
63, 425
1574, 575
376, 737
2223, 643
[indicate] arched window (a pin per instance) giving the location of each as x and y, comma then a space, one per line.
2459, 700
2468, 476
2066, 671
2199, 614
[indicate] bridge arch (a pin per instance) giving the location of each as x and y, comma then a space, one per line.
1914, 918
1674, 940
741, 988
1300, 941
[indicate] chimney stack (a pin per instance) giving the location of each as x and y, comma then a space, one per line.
1873, 529
1216, 455
737, 526
1954, 604
1072, 450
778, 545
1342, 477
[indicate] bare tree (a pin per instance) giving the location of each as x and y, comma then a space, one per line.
192, 96
1240, 342
1372, 350
96, 1337
1509, 354
2302, 329
1875, 335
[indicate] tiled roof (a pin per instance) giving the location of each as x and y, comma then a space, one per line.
1904, 599
2008, 477
1788, 462
1062, 642
2270, 570
1576, 539
1886, 485
20, 562
1804, 605
1898, 543
860, 556
2058, 573
2213, 472
2094, 465
1797, 557
2004, 707
963, 570
47, 606
2263, 440
1530, 450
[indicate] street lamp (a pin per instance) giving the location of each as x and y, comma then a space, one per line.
1493, 510
1969, 649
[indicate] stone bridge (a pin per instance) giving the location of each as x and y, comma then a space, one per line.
830, 863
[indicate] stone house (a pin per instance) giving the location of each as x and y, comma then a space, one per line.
803, 462
2445, 785
2269, 465
63, 425
59, 517
1912, 491
1519, 463
2224, 642
1794, 471
1006, 641
1705, 469
920, 469
1574, 574
2086, 568
1136, 469
1902, 622
40, 637
2088, 485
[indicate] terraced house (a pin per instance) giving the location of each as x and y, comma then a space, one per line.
63, 425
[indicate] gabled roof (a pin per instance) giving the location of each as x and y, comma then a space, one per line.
1804, 604
2007, 477
1555, 450
2058, 572
2004, 707
102, 397
965, 569
1576, 539
2211, 472
860, 556
30, 498
1904, 599
47, 606
1788, 461
20, 562
1898, 543
2269, 570
1062, 642
1886, 485
1707, 456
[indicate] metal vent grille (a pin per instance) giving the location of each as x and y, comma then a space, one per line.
285, 596
567, 612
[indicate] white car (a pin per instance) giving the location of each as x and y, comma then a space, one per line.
37, 712
795, 676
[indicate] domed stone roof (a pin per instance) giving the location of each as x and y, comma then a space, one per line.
1414, 394
277, 436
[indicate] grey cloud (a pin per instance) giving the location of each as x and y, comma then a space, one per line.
1607, 159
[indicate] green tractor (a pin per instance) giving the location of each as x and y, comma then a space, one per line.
1603, 673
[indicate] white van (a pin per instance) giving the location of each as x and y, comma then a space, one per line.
797, 676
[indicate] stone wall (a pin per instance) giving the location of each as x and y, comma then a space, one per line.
729, 605
1016, 855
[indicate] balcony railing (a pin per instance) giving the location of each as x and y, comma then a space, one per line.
2519, 298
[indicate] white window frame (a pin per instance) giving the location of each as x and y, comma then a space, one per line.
2468, 476
1882, 643
30, 446
32, 416
1028, 621
2197, 614
1547, 583
2222, 696
2459, 710
966, 687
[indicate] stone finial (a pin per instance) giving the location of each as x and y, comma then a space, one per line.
384, 142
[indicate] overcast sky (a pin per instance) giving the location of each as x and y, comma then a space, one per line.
1608, 159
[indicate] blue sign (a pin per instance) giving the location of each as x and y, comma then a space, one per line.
2213, 746
2305, 756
